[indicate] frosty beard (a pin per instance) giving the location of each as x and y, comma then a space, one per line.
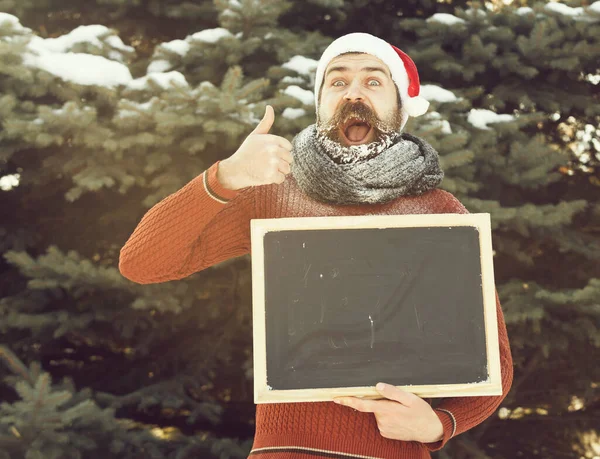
330, 136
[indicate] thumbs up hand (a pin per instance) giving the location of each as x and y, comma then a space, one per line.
261, 159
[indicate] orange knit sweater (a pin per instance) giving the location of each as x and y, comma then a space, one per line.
203, 224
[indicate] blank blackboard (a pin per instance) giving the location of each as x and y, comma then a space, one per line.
341, 303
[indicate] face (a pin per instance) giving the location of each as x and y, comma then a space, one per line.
359, 101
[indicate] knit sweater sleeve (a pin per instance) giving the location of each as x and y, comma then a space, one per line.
459, 414
198, 226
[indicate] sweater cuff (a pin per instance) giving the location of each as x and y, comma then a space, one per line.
214, 188
449, 423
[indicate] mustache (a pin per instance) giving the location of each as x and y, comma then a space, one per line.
331, 128
353, 110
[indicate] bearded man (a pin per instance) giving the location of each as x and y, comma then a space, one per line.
355, 160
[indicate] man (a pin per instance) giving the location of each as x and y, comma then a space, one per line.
353, 161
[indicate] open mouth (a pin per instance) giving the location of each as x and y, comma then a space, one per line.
355, 131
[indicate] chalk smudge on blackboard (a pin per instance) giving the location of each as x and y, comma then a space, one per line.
306, 275
332, 344
322, 309
372, 332
417, 314
291, 326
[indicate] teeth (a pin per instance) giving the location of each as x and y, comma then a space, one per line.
355, 120
354, 117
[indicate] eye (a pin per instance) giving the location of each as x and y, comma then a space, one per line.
335, 83
378, 83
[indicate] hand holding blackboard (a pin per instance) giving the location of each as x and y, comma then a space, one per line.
341, 303
400, 415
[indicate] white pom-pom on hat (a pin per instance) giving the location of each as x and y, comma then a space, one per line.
402, 68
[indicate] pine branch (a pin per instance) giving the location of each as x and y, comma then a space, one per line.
232, 80
532, 365
14, 363
471, 447
595, 420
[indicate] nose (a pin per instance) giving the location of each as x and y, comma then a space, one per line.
354, 92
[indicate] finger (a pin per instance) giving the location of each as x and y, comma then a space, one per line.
284, 167
265, 124
285, 155
285, 143
275, 153
278, 178
394, 393
365, 406
279, 141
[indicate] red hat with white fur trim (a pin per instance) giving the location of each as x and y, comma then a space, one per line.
402, 68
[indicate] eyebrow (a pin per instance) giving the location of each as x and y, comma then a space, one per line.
341, 68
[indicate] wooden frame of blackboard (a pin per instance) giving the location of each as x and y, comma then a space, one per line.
263, 393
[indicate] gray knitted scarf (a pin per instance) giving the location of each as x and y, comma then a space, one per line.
410, 166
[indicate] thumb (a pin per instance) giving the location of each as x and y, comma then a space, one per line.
395, 393
265, 124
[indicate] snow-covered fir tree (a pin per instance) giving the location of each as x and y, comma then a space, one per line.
108, 107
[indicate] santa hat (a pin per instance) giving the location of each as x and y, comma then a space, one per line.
402, 68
